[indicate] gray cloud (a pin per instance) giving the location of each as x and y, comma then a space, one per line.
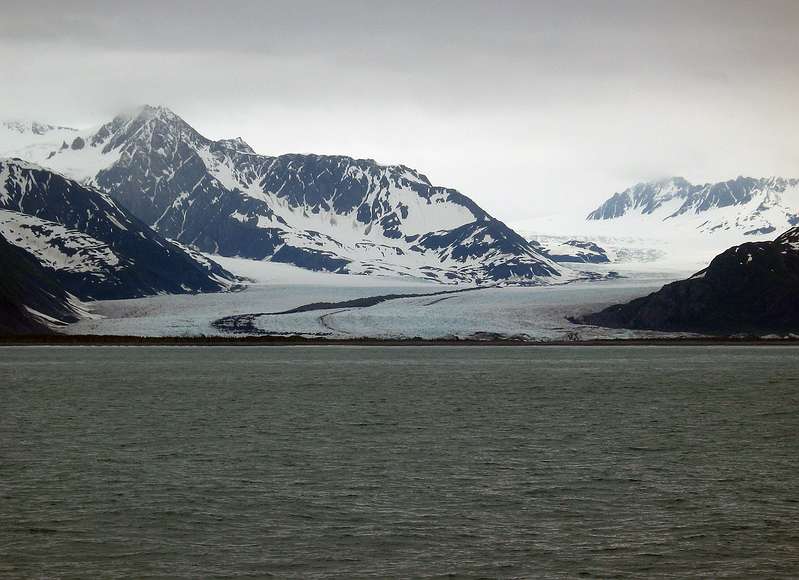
530, 107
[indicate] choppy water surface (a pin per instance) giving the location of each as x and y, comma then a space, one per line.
399, 462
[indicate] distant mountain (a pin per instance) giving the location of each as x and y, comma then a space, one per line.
748, 206
319, 212
31, 301
31, 139
33, 128
94, 248
572, 251
751, 288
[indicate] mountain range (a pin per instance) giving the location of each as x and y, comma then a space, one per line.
321, 212
134, 207
744, 206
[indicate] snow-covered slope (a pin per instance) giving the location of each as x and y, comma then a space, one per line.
319, 212
93, 247
744, 206
31, 139
56, 246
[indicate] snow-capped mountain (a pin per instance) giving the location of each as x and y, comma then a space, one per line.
747, 206
93, 247
33, 128
333, 213
32, 139
752, 287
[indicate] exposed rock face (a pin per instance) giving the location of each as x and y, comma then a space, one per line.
751, 288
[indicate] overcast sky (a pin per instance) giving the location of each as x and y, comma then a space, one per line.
531, 108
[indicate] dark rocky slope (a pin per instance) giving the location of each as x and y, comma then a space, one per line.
751, 288
26, 288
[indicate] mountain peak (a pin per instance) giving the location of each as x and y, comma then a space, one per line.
142, 127
672, 182
236, 144
147, 112
679, 181
663, 180
147, 115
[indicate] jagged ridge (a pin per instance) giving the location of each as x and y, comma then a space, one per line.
320, 212
745, 204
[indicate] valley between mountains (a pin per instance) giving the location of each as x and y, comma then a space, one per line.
143, 226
